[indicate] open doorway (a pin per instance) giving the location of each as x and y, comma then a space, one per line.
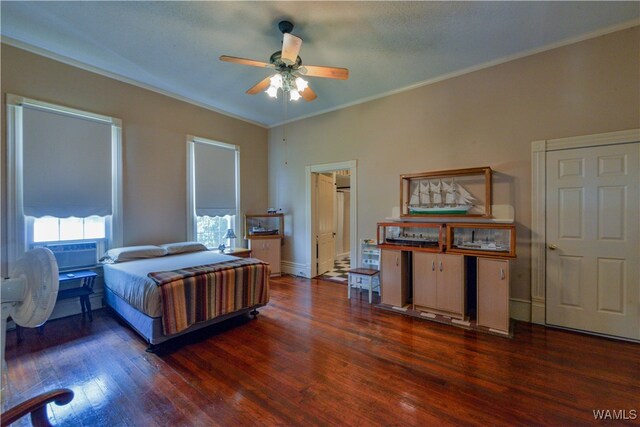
332, 225
331, 219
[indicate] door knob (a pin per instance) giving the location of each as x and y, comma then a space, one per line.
553, 247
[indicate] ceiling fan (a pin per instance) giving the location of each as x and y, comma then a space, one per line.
289, 69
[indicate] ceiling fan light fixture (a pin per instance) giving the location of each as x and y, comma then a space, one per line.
294, 95
276, 81
272, 91
301, 84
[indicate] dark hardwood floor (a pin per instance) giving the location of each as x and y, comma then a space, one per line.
313, 357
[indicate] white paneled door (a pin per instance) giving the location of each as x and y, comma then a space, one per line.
593, 243
326, 235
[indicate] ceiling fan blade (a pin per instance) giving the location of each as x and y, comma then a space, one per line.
244, 61
290, 48
260, 86
326, 72
308, 94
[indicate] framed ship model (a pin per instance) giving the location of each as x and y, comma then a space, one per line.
486, 240
449, 193
264, 226
412, 236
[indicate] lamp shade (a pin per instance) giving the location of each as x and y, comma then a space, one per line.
230, 234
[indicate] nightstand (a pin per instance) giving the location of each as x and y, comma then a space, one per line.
85, 280
239, 252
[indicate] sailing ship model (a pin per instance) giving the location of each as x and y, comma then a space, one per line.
427, 198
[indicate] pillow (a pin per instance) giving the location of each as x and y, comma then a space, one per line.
129, 253
183, 247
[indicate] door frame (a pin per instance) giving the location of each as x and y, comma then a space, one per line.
310, 211
539, 151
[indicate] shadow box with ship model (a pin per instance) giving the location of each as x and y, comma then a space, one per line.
265, 226
450, 193
410, 236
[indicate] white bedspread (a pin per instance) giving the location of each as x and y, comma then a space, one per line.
129, 279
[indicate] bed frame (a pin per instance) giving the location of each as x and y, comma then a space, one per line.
150, 328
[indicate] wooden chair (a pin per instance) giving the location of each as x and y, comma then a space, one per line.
37, 407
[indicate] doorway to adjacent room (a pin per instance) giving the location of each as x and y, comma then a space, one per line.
331, 219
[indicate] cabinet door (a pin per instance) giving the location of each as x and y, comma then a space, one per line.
393, 280
424, 279
493, 293
267, 250
450, 283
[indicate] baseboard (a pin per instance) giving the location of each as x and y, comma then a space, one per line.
295, 269
520, 309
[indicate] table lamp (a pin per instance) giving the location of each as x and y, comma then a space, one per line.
230, 235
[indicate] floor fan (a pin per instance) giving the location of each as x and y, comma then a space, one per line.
29, 296
30, 293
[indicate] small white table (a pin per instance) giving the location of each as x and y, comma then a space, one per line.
364, 278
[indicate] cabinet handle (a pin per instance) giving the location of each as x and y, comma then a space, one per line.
440, 265
396, 261
433, 266
502, 274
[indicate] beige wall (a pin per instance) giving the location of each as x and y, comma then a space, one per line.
154, 134
485, 118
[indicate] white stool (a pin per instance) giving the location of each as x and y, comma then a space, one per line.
364, 278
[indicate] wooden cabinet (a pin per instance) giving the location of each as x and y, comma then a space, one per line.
439, 283
451, 284
493, 294
424, 279
393, 277
267, 250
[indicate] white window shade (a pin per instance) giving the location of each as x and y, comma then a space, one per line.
215, 180
66, 165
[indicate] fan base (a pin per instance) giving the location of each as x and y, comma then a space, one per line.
285, 26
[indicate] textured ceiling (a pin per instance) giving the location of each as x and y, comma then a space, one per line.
173, 46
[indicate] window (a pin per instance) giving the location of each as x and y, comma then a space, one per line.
212, 229
213, 190
51, 229
64, 176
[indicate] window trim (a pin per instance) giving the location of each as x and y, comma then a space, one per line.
192, 231
17, 225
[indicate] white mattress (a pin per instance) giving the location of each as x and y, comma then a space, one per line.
130, 282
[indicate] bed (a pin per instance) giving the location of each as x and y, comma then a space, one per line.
163, 296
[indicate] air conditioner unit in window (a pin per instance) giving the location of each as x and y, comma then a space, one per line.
71, 256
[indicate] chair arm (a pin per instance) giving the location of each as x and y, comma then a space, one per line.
37, 407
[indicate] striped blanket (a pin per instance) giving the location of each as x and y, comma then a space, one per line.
198, 294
